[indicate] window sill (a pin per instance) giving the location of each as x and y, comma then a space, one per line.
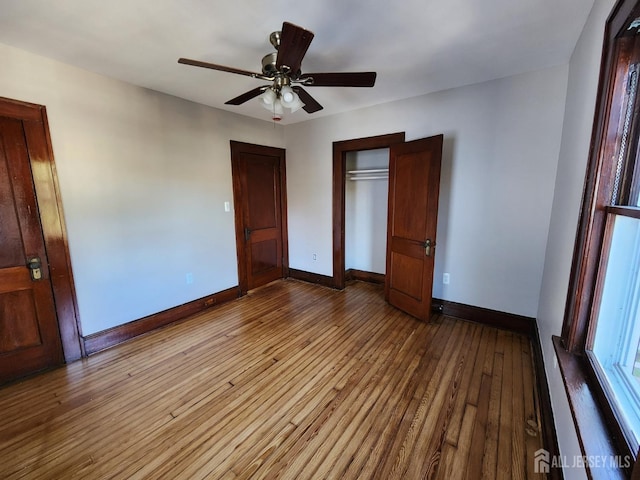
596, 441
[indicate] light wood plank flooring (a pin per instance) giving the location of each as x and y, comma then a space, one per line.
292, 381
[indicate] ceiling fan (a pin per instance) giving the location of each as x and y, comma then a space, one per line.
282, 68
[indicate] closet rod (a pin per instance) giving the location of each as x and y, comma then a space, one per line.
365, 172
369, 177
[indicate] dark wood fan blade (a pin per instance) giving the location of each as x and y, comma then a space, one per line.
310, 103
294, 42
222, 68
240, 99
347, 79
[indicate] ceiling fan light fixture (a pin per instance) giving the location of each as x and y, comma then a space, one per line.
287, 95
276, 100
268, 98
296, 104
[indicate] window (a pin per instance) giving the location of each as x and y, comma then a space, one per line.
602, 321
615, 347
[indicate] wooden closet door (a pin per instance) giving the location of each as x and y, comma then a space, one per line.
414, 185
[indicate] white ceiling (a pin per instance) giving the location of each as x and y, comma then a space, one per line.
416, 46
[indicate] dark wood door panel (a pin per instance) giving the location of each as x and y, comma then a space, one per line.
409, 219
15, 278
406, 276
409, 247
264, 234
265, 263
22, 194
259, 179
18, 322
11, 251
264, 256
262, 191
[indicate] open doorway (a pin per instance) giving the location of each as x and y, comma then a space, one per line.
341, 150
366, 201
413, 191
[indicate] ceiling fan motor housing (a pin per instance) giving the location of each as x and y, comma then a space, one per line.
269, 64
275, 38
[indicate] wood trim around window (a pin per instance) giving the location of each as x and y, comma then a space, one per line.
598, 430
597, 192
633, 212
593, 431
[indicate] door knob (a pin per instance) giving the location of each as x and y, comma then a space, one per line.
428, 246
35, 266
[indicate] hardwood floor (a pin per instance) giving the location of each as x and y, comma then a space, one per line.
292, 381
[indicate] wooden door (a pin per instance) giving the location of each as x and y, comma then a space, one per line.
414, 184
260, 206
29, 333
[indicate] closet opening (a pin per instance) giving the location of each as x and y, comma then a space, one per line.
366, 203
364, 151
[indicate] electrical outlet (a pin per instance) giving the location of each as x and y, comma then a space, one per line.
227, 207
189, 278
445, 278
315, 257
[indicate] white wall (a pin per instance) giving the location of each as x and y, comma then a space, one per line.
143, 178
578, 120
501, 146
366, 213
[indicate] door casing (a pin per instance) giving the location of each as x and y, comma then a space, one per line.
340, 150
40, 151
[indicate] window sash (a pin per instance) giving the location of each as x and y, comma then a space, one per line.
618, 386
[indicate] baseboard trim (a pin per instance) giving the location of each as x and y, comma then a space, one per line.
108, 338
363, 276
493, 318
548, 424
311, 277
